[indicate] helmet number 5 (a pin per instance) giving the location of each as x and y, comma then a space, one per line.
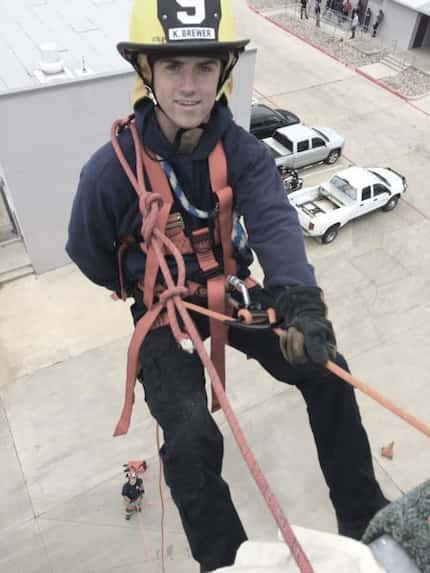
198, 8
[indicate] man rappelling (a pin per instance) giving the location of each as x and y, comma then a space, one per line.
205, 175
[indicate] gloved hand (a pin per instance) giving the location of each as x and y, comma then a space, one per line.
309, 336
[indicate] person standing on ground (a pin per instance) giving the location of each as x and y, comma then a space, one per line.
318, 13
378, 22
367, 17
304, 9
346, 8
132, 494
354, 24
183, 140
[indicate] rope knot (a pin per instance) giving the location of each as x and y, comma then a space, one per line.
153, 199
150, 205
169, 293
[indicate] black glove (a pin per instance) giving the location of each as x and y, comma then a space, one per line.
309, 336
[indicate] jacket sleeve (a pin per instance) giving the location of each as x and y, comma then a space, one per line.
274, 232
92, 239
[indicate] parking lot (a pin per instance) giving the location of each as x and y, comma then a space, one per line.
63, 345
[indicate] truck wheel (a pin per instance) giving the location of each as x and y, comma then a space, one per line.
391, 203
333, 156
330, 235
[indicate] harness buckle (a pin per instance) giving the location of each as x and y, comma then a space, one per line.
175, 220
201, 241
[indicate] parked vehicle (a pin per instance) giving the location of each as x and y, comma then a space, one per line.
265, 120
298, 145
292, 181
352, 192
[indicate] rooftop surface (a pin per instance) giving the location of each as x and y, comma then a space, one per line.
422, 6
85, 32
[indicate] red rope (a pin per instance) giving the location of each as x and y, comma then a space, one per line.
160, 489
150, 205
175, 303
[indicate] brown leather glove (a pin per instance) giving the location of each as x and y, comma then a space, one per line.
309, 335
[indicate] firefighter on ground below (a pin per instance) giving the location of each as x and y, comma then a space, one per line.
132, 494
184, 54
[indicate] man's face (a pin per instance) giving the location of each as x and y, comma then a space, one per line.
186, 88
132, 479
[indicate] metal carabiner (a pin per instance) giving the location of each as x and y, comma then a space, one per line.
234, 283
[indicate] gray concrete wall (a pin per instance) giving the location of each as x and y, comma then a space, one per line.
398, 28
51, 132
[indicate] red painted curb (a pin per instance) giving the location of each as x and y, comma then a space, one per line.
354, 68
381, 84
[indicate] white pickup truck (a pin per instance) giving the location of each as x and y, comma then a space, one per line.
352, 192
298, 145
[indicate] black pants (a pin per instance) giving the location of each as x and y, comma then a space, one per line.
193, 445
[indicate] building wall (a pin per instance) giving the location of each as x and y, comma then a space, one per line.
48, 134
398, 28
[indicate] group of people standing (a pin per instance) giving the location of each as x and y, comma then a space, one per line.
360, 14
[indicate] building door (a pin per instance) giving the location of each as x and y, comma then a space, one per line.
422, 29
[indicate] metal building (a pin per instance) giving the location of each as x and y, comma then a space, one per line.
62, 83
406, 23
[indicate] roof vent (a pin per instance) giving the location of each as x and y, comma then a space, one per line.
51, 62
51, 66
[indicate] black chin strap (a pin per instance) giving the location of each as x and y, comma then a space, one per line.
179, 134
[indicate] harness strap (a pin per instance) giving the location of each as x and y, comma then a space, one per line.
216, 286
202, 244
224, 193
201, 241
142, 328
159, 184
125, 243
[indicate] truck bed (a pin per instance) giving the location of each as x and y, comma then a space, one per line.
317, 206
313, 202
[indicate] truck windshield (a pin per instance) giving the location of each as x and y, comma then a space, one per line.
343, 185
320, 133
379, 176
283, 140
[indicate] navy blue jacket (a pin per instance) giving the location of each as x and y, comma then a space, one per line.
105, 208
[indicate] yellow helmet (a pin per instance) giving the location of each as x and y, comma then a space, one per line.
181, 27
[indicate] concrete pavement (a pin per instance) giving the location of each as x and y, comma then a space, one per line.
63, 344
